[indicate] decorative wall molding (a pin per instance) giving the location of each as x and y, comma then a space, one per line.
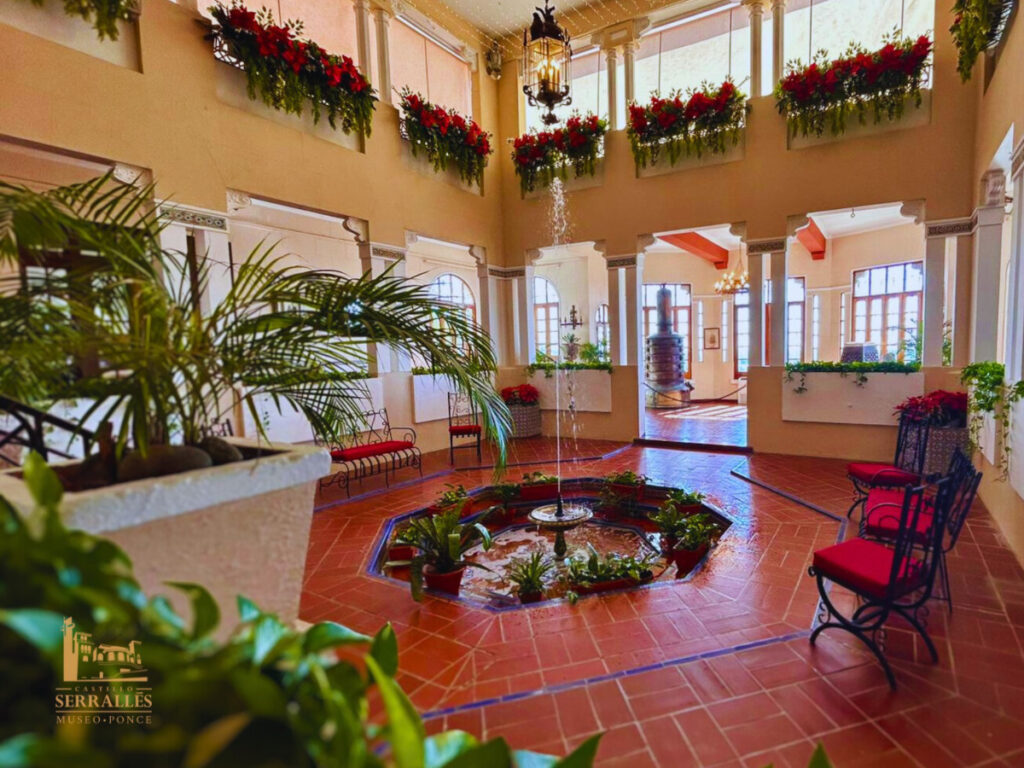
506, 273
643, 242
238, 200
949, 227
1017, 160
621, 261
132, 175
993, 187
771, 245
739, 229
358, 227
913, 209
195, 217
386, 252
795, 223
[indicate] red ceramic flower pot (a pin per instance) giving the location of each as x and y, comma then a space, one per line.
602, 586
539, 492
668, 543
443, 582
530, 597
686, 559
401, 552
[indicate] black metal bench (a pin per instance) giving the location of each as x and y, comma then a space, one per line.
378, 450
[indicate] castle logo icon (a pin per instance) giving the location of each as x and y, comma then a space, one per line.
88, 662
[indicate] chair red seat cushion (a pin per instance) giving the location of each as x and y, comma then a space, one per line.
865, 567
460, 430
372, 449
883, 509
885, 475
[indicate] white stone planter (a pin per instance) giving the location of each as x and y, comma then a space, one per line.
49, 21
832, 398
572, 182
430, 397
733, 153
237, 529
593, 390
913, 117
424, 167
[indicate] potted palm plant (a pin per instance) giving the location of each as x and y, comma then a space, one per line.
694, 537
528, 575
441, 542
119, 322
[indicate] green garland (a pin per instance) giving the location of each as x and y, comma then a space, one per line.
978, 25
989, 393
550, 368
104, 14
859, 371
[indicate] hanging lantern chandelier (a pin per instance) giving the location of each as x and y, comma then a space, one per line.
547, 63
733, 281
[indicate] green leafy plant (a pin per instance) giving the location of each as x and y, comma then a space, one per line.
595, 569
441, 542
696, 531
798, 371
823, 95
269, 695
123, 329
977, 25
455, 498
103, 14
684, 498
668, 517
626, 477
990, 393
594, 354
286, 71
528, 573
538, 478
505, 493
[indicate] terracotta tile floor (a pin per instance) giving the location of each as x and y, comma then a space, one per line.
707, 423
713, 671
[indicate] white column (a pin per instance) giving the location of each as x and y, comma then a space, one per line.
756, 10
934, 296
988, 245
381, 17
612, 59
963, 275
778, 40
624, 303
489, 307
629, 70
780, 319
755, 267
363, 38
524, 343
376, 258
1015, 296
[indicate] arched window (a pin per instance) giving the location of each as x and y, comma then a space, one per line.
603, 331
545, 317
452, 289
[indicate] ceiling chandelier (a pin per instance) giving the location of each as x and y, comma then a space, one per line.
547, 63
733, 281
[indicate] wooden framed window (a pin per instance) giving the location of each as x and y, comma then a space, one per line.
603, 331
887, 308
545, 317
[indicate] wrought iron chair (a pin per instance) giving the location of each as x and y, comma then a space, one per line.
907, 466
888, 579
463, 422
879, 523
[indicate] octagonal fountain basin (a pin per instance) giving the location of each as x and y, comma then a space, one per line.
608, 524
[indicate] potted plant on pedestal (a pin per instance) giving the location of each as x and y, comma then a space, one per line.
523, 402
441, 541
538, 486
528, 575
946, 413
694, 537
125, 328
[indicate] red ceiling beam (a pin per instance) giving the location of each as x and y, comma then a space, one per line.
698, 245
812, 239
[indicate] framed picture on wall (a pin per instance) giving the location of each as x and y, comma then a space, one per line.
712, 338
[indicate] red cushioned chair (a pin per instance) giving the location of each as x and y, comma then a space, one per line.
463, 423
889, 578
372, 448
907, 467
881, 512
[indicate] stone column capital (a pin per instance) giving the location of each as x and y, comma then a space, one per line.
993, 187
754, 7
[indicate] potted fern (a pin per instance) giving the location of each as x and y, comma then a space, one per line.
441, 542
528, 575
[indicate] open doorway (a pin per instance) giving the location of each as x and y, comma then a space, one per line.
695, 340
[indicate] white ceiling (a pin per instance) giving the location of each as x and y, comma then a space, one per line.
842, 224
502, 17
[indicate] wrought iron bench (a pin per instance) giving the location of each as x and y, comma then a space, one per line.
378, 450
